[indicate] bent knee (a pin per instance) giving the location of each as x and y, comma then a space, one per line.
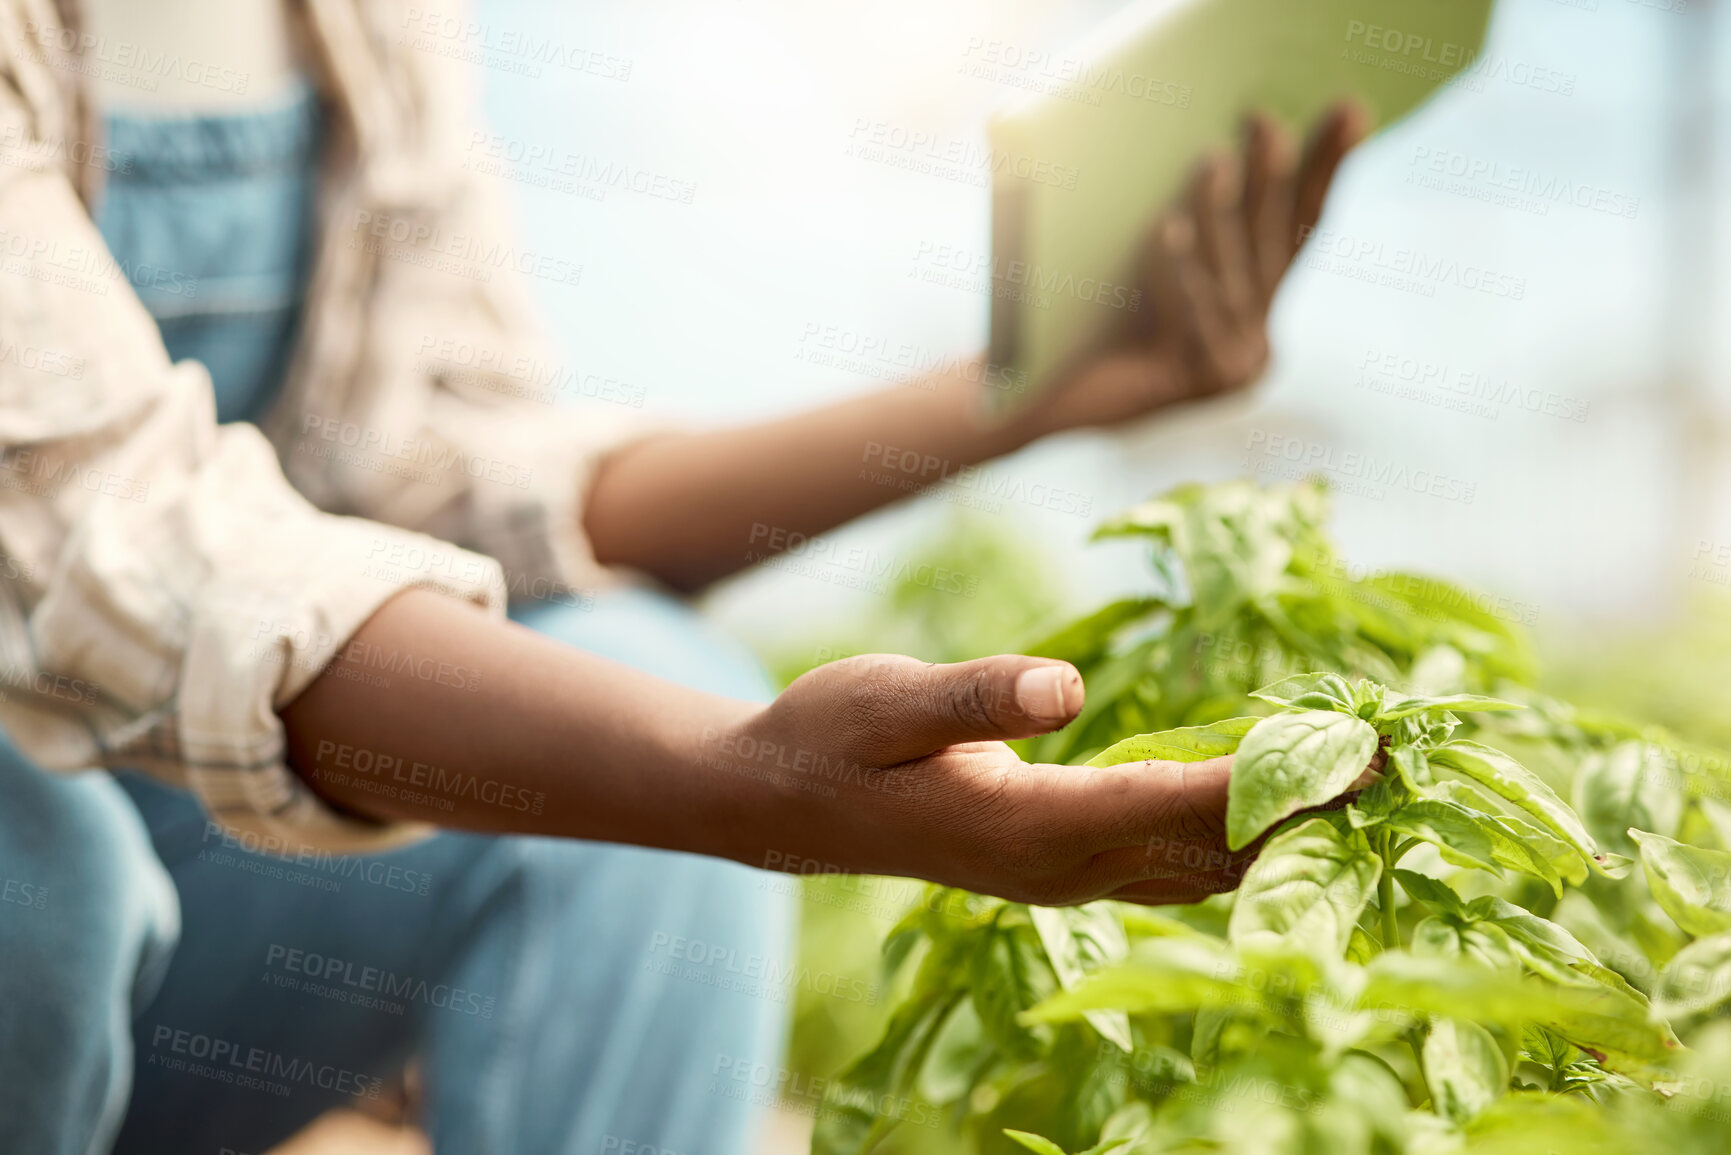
89, 911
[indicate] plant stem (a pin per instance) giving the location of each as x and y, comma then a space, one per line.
1385, 898
1412, 1040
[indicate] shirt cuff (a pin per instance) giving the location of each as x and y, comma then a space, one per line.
291, 591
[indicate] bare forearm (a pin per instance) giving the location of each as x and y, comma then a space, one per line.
685, 507
541, 738
876, 764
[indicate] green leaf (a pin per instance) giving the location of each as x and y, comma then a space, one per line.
1693, 885
1290, 761
1412, 766
1610, 1024
1235, 541
1696, 980
1086, 639
1430, 891
1467, 837
1306, 890
1420, 731
1035, 1143
1547, 1048
1464, 1069
1482, 943
849, 1122
1165, 976
1011, 974
1102, 1148
1186, 744
1503, 775
1423, 985
1079, 940
1632, 784
957, 1058
1543, 945
1320, 691
1564, 859
1457, 703
1547, 1124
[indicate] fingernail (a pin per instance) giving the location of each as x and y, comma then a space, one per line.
1040, 693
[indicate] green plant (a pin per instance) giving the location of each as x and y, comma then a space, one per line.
1456, 958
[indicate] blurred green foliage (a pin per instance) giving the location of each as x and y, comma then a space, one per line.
1676, 673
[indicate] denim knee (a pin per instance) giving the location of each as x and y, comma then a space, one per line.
87, 925
663, 966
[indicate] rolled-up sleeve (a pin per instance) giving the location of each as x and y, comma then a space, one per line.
425, 392
163, 590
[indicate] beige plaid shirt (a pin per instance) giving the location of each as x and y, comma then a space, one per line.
163, 587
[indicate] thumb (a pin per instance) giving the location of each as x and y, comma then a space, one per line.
900, 709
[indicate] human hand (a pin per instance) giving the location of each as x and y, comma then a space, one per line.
1208, 272
939, 796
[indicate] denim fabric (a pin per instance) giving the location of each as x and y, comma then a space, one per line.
87, 921
211, 218
534, 976
531, 976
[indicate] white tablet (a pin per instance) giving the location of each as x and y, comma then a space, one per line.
1104, 137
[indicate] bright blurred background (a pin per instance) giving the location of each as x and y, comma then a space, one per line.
1599, 466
